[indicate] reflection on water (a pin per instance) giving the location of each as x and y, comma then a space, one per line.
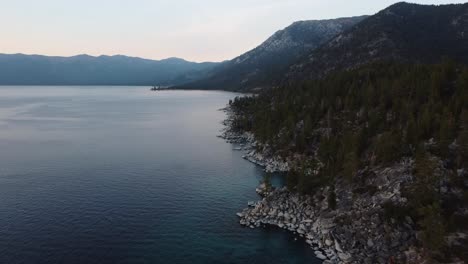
125, 175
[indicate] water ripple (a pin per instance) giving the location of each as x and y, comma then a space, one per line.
122, 175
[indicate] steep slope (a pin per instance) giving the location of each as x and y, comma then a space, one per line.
260, 66
402, 32
20, 69
385, 144
378, 134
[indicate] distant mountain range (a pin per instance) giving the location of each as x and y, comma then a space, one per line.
20, 69
304, 50
270, 60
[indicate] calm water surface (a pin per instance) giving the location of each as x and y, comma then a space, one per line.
125, 175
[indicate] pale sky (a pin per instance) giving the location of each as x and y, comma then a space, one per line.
197, 30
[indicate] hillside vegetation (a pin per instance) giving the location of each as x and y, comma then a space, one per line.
338, 127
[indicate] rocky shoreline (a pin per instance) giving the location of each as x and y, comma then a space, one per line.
355, 231
246, 142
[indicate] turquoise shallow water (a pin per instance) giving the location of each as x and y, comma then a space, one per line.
125, 175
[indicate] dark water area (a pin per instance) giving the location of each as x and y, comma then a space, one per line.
125, 175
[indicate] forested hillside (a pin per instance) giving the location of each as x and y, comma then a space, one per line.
338, 128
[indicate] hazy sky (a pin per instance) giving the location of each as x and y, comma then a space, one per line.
198, 30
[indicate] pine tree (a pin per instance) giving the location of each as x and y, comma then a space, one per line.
332, 198
433, 228
412, 133
462, 140
424, 187
425, 123
292, 179
446, 129
351, 165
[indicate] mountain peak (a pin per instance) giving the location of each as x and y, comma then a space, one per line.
174, 60
402, 4
271, 59
402, 32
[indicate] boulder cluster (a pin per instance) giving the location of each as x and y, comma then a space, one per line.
246, 142
360, 235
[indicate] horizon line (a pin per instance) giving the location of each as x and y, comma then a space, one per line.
107, 55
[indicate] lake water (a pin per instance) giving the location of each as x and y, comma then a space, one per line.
125, 175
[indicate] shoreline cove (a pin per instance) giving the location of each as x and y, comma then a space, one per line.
354, 232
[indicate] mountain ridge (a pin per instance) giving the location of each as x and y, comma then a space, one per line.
85, 55
271, 59
403, 31
84, 69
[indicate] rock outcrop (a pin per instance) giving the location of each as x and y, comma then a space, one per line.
354, 232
